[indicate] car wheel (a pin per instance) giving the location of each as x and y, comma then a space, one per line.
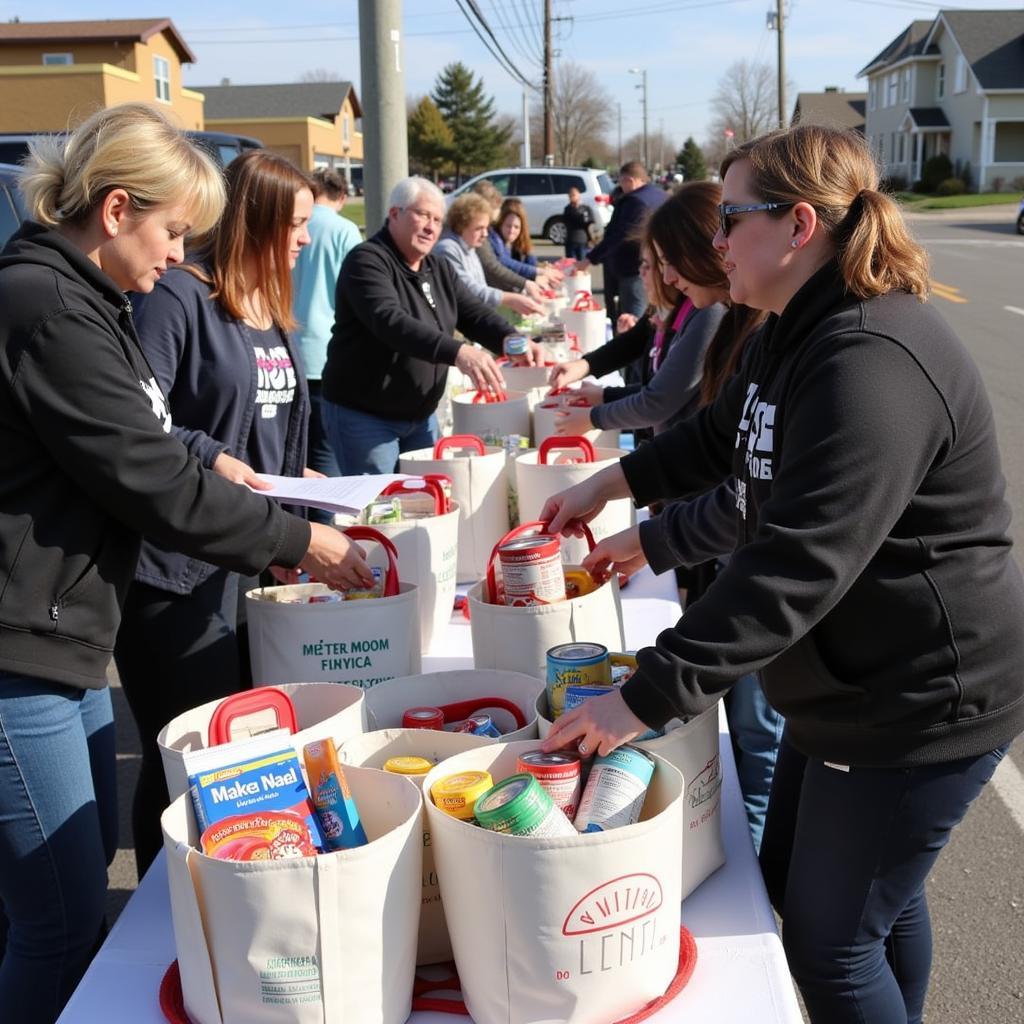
1020, 224
554, 231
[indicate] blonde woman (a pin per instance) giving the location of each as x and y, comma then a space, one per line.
87, 466
873, 582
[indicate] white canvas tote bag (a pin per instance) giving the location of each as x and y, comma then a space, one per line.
487, 414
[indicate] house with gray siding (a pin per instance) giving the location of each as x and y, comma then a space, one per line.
955, 86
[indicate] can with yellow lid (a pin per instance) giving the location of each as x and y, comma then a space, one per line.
456, 794
408, 765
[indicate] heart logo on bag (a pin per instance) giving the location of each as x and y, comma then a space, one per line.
613, 904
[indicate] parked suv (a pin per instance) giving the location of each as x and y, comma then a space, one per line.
223, 146
544, 194
12, 206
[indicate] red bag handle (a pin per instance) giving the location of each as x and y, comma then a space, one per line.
420, 485
551, 443
249, 702
487, 397
369, 533
458, 441
462, 709
523, 530
436, 1004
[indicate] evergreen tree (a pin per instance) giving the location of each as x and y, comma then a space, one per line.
691, 161
469, 114
431, 144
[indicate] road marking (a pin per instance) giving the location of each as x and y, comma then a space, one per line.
1014, 309
947, 291
1005, 243
1009, 784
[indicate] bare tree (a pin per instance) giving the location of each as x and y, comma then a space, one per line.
320, 75
661, 150
745, 101
581, 114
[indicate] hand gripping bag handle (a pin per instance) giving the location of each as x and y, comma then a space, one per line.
369, 533
523, 530
249, 702
462, 709
442, 445
550, 443
420, 485
487, 397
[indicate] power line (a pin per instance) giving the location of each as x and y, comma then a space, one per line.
495, 51
515, 37
531, 19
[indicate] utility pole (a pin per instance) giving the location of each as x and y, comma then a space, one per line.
619, 105
385, 136
549, 126
780, 22
642, 72
525, 161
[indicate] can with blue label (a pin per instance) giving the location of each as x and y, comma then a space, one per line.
615, 791
574, 696
575, 664
479, 725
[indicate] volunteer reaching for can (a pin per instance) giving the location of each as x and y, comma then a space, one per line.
873, 582
89, 466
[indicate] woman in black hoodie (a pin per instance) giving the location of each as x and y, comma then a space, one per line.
873, 584
87, 467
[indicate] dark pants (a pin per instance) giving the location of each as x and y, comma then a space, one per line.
845, 856
175, 652
320, 453
576, 250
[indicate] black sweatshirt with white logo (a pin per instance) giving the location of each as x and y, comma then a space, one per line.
88, 466
873, 582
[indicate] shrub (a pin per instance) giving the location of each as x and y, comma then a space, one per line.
950, 187
919, 186
1018, 183
936, 169
893, 183
998, 183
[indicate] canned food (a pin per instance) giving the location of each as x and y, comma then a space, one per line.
560, 775
516, 345
479, 725
575, 664
531, 570
408, 765
423, 718
574, 696
520, 806
623, 666
377, 590
615, 791
578, 582
456, 794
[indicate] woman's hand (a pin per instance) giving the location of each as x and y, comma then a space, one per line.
624, 323
239, 472
596, 727
621, 552
283, 575
564, 374
573, 422
534, 290
593, 393
566, 511
313, 474
335, 560
480, 367
522, 304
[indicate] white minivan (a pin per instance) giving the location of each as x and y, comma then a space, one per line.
544, 192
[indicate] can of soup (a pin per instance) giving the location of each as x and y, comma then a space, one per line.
519, 806
479, 725
615, 790
560, 774
575, 664
531, 570
408, 765
574, 696
516, 345
457, 794
423, 718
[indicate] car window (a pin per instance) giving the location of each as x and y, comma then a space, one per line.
606, 183
13, 152
227, 153
502, 182
533, 185
564, 182
9, 218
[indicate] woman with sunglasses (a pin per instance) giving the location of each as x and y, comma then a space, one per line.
873, 583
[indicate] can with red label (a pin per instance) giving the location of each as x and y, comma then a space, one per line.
423, 718
531, 570
559, 773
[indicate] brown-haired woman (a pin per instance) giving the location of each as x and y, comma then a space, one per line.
216, 332
874, 582
513, 230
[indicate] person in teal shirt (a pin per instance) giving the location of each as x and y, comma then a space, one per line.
316, 278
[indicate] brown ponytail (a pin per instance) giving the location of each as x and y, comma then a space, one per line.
835, 171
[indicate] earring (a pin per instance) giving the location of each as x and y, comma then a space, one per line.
793, 244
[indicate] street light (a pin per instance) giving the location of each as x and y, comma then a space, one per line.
643, 85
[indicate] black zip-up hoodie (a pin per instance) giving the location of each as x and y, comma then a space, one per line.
873, 582
392, 342
87, 466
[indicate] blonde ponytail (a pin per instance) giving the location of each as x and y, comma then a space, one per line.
42, 183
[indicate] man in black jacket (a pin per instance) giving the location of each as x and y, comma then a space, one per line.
397, 307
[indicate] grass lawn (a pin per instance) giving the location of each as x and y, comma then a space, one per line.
355, 210
913, 201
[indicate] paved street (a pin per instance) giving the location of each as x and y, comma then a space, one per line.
977, 891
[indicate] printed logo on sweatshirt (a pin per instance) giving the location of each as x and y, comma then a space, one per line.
276, 382
157, 401
757, 431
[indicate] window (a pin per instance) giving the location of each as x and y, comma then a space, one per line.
894, 82
344, 128
502, 182
162, 77
940, 81
1009, 142
564, 182
58, 58
905, 86
871, 93
961, 74
533, 185
901, 148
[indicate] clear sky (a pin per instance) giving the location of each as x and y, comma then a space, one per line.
685, 45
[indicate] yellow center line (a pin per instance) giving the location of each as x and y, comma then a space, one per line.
948, 292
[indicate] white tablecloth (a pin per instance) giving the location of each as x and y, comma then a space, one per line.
741, 974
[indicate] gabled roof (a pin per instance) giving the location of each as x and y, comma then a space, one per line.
301, 99
911, 42
112, 30
833, 108
992, 42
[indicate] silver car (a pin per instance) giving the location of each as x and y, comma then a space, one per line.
544, 193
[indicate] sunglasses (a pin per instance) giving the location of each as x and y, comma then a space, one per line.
727, 210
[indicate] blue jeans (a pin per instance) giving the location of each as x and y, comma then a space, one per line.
58, 834
364, 443
576, 250
845, 857
320, 454
756, 731
632, 296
